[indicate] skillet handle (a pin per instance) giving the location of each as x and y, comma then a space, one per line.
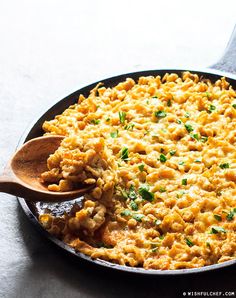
228, 61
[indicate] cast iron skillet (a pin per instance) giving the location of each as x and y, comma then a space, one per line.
225, 67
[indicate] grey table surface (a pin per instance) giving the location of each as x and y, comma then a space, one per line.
49, 49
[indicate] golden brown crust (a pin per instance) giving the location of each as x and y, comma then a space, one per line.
162, 154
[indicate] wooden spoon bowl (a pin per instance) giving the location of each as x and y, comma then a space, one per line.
21, 176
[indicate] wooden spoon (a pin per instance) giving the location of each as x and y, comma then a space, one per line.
21, 176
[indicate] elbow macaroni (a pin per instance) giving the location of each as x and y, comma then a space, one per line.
161, 154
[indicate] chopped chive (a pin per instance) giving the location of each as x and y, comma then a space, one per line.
204, 139
181, 163
95, 121
211, 108
162, 189
123, 193
155, 96
132, 193
188, 127
234, 105
114, 134
208, 244
216, 230
138, 217
189, 242
163, 158
108, 119
187, 115
145, 193
141, 167
124, 153
194, 136
179, 121
184, 181
162, 237
218, 217
129, 126
126, 212
169, 103
133, 206
198, 160
230, 215
122, 116
160, 114
224, 166
157, 222
172, 152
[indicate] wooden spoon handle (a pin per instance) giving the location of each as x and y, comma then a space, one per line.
9, 184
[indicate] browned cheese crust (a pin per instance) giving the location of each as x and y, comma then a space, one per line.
161, 153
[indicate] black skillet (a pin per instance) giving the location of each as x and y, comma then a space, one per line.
225, 67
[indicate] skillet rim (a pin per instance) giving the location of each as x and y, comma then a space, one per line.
34, 125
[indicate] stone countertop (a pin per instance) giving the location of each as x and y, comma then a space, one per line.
49, 49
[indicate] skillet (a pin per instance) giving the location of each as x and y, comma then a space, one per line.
226, 66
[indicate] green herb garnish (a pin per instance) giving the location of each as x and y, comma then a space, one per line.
216, 230
124, 153
129, 126
133, 206
132, 193
162, 189
211, 108
114, 134
218, 217
138, 217
224, 166
181, 163
141, 167
95, 121
187, 115
163, 158
234, 105
157, 222
198, 160
194, 136
179, 121
204, 139
184, 181
125, 212
145, 193
188, 127
122, 116
160, 114
108, 119
172, 152
169, 103
230, 215
189, 242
